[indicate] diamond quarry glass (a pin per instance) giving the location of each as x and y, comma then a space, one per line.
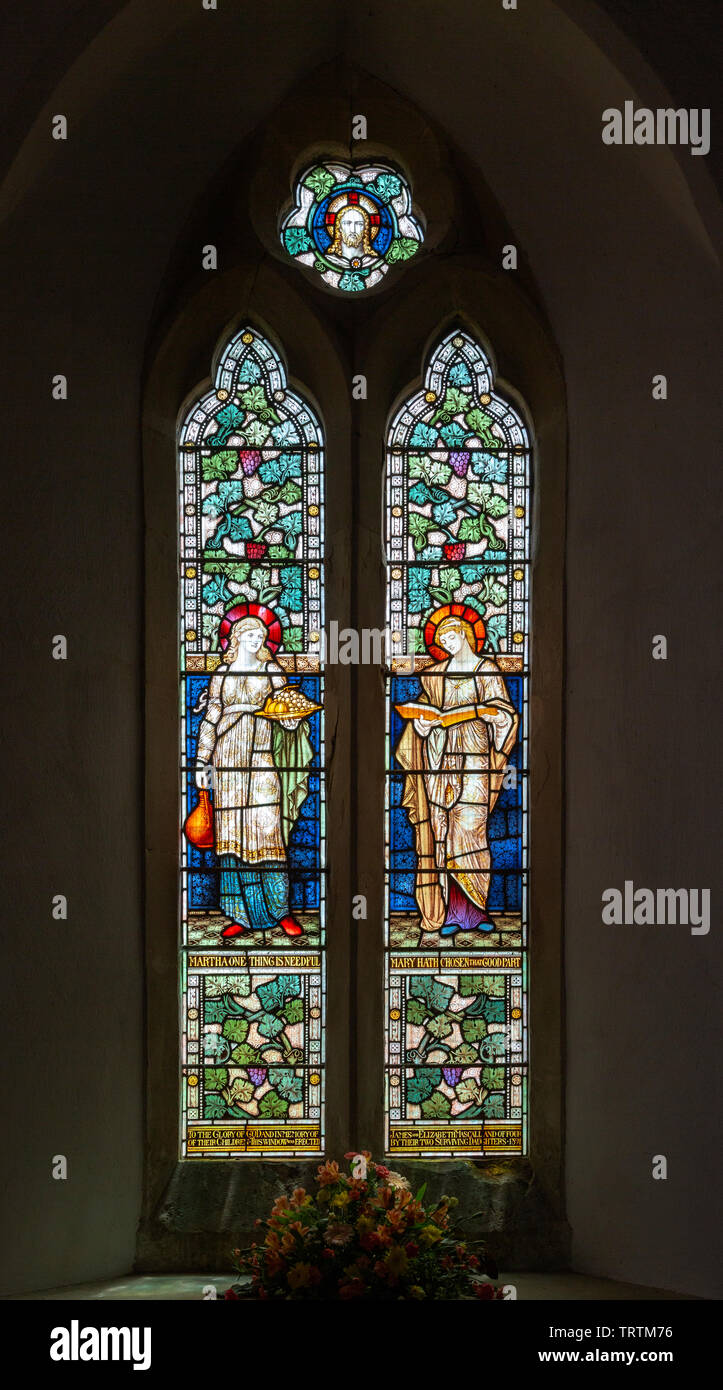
457, 564
252, 886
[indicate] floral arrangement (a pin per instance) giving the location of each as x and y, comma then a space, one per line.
362, 1236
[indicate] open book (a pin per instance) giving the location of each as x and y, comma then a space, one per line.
446, 717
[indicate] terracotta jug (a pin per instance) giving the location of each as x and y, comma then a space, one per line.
199, 824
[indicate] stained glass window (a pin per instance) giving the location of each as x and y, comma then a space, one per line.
350, 223
252, 967
457, 556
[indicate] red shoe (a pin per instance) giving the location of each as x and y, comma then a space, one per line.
235, 929
291, 927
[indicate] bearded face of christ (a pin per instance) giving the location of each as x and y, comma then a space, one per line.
351, 227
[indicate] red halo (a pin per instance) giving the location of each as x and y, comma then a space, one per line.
453, 610
274, 632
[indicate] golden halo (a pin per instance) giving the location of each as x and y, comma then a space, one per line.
465, 614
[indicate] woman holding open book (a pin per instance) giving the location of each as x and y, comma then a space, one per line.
454, 749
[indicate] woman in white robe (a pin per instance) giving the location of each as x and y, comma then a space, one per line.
255, 799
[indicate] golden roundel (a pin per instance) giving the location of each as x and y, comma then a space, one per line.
222, 395
193, 1080
190, 447
517, 1013
519, 511
518, 637
313, 574
395, 1014
396, 574
314, 1079
458, 342
518, 574
279, 395
519, 449
396, 511
515, 1078
394, 1080
193, 1013
313, 637
485, 399
190, 572
396, 636
247, 338
315, 1012
313, 511
191, 634
430, 396
313, 444
190, 510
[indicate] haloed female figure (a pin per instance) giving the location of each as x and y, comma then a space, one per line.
455, 765
260, 779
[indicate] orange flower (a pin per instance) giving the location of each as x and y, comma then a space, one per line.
303, 1276
328, 1174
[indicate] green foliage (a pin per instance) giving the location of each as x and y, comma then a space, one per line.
245, 1055
240, 1092
453, 435
422, 1084
481, 422
280, 469
218, 985
464, 1055
438, 1107
416, 1012
402, 248
419, 528
455, 403
439, 1027
274, 994
473, 1029
450, 580
216, 591
288, 1085
493, 1078
297, 240
496, 630
236, 1029
320, 181
215, 1078
269, 1026
236, 570
432, 471
386, 186
472, 984
293, 1011
467, 1091
219, 466
352, 281
228, 420
214, 1108
418, 592
273, 1106
434, 993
